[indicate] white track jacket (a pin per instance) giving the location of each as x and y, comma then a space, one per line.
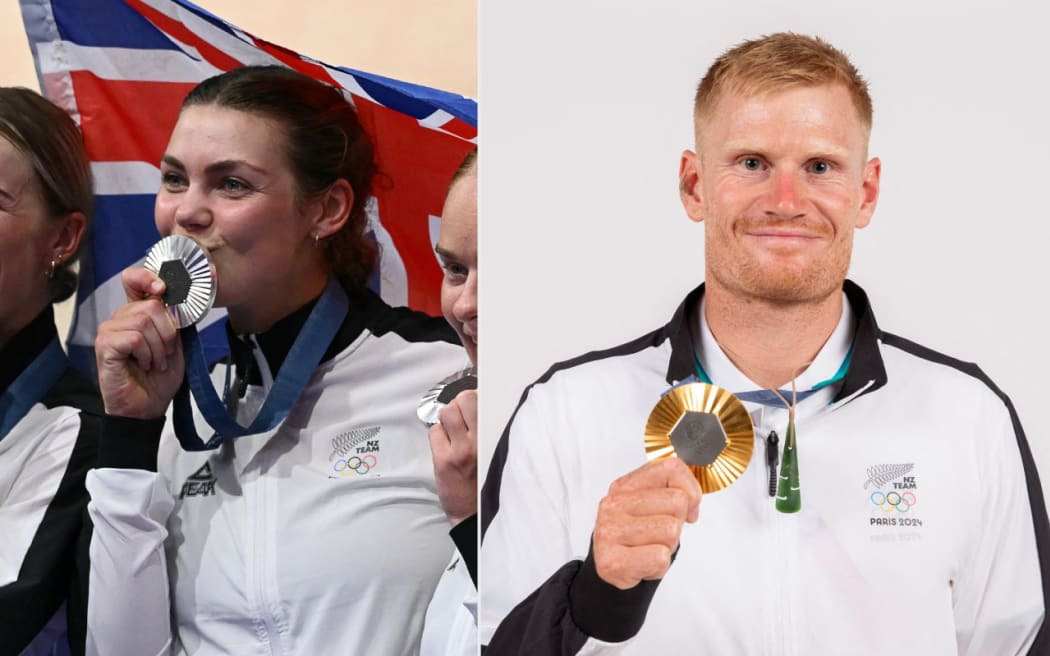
322, 536
922, 530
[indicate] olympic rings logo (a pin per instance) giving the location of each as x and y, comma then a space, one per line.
354, 464
890, 501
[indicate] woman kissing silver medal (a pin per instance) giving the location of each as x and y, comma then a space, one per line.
189, 280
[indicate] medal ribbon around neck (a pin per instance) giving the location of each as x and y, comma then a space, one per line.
309, 347
31, 385
789, 492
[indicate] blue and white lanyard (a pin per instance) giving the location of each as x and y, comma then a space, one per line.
31, 385
306, 353
768, 397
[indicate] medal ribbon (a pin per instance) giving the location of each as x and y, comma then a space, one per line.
306, 353
769, 397
31, 385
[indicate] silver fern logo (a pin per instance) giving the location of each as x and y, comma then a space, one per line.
344, 442
892, 491
355, 453
879, 475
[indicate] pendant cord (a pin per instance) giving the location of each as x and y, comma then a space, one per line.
788, 490
794, 389
794, 401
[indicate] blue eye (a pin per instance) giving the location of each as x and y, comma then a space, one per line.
234, 185
751, 163
820, 167
172, 181
455, 271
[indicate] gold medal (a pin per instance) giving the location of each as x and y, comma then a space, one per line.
707, 427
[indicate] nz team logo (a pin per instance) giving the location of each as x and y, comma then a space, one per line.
355, 453
893, 496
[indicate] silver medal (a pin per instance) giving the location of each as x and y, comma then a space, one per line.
186, 271
443, 392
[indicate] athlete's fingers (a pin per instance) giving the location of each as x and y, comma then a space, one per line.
158, 330
467, 402
459, 421
652, 501
165, 325
640, 531
440, 446
117, 346
141, 283
669, 472
452, 420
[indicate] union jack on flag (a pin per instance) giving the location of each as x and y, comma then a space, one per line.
122, 67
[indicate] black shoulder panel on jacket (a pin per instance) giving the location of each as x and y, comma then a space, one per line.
408, 323
54, 568
73, 390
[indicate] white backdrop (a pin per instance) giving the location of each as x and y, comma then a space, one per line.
587, 107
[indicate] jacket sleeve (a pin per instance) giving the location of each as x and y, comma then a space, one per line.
84, 457
465, 536
573, 612
999, 596
451, 625
128, 608
51, 482
542, 594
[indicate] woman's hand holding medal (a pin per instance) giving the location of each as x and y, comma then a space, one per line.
138, 351
454, 445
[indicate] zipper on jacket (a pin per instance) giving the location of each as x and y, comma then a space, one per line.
234, 395
772, 456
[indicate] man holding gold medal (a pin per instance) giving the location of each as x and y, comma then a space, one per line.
860, 493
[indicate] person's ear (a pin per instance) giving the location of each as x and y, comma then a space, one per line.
689, 185
870, 191
335, 205
67, 237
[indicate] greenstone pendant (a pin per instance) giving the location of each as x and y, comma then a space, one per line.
789, 497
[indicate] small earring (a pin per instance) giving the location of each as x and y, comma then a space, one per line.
50, 272
317, 239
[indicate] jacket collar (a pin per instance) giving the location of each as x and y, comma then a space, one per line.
866, 369
275, 343
866, 372
25, 346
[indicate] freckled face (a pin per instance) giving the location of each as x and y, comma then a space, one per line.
457, 249
781, 183
227, 184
